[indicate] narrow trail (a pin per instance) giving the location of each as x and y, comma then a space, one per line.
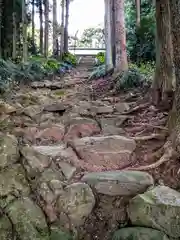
64, 129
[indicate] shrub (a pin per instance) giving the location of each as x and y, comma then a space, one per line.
70, 59
100, 58
98, 72
128, 79
35, 69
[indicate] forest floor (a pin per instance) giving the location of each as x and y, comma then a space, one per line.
60, 112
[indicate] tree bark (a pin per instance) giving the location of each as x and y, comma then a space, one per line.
113, 45
120, 36
24, 23
174, 119
14, 36
67, 3
41, 25
46, 32
55, 27
138, 13
108, 23
164, 75
62, 29
33, 24
1, 10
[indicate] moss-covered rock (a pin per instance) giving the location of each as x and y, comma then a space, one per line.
139, 233
5, 229
158, 208
28, 220
119, 183
9, 151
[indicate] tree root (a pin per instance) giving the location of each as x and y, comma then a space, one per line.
137, 108
150, 137
167, 156
151, 126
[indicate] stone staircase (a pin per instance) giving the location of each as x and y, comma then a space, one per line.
87, 62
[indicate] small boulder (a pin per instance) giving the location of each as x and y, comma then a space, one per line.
9, 151
122, 107
77, 202
81, 127
6, 108
119, 183
28, 219
139, 233
67, 169
52, 133
158, 208
6, 227
33, 161
33, 110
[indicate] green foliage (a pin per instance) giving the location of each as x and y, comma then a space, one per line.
98, 72
129, 79
35, 69
146, 69
70, 58
92, 36
100, 58
136, 76
140, 41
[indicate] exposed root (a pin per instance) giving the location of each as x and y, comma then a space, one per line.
167, 156
151, 126
149, 137
137, 108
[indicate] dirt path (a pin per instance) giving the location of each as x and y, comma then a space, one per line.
62, 134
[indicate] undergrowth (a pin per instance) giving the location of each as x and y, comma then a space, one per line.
35, 69
98, 72
135, 76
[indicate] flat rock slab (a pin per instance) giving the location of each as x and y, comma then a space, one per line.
158, 208
119, 183
64, 157
105, 152
33, 111
56, 107
139, 233
43, 134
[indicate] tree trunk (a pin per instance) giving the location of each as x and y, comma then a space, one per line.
33, 24
107, 20
120, 36
62, 28
41, 25
164, 76
46, 32
138, 13
1, 10
24, 25
66, 26
54, 27
14, 36
174, 120
113, 45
